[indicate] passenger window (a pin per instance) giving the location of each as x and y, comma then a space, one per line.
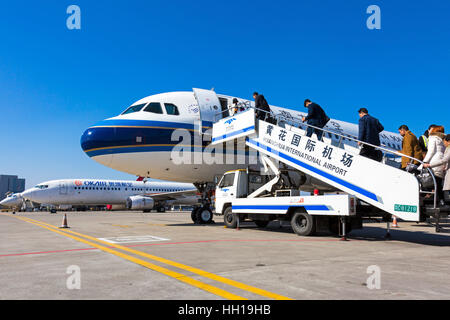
154, 107
171, 109
135, 108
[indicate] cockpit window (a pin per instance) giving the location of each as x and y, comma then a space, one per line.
172, 109
42, 186
154, 107
134, 108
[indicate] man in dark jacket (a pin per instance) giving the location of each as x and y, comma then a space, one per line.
369, 131
316, 117
261, 104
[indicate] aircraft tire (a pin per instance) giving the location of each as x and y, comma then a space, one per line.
194, 215
204, 215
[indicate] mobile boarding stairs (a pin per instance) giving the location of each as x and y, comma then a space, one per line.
382, 190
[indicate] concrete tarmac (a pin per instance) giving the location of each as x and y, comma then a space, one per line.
134, 255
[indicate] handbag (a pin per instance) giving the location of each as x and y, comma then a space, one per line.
426, 179
411, 167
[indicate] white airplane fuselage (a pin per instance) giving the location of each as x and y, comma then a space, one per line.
102, 192
141, 140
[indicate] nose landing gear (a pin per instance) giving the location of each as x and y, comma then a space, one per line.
203, 214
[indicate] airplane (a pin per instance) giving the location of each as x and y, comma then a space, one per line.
142, 139
14, 201
132, 195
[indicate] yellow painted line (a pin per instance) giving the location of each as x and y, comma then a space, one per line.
157, 225
197, 271
178, 276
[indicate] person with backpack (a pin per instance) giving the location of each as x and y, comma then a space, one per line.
262, 107
369, 132
316, 118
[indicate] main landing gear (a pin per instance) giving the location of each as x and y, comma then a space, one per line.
203, 214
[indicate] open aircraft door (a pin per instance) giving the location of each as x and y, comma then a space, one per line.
209, 105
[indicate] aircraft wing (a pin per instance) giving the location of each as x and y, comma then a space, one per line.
172, 195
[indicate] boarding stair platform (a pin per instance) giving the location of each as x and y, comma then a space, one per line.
381, 188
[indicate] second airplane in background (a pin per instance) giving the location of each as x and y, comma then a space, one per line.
133, 195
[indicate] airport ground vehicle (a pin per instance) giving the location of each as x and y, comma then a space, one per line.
241, 195
366, 187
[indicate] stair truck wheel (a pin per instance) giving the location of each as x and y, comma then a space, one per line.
261, 223
303, 224
194, 215
204, 215
229, 218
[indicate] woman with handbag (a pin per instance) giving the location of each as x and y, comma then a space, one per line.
434, 157
446, 162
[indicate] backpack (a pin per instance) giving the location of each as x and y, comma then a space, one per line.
324, 117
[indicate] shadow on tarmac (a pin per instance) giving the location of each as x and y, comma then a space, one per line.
430, 238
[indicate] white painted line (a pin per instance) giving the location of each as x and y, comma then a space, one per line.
133, 239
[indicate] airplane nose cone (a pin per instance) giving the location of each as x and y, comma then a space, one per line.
99, 143
96, 140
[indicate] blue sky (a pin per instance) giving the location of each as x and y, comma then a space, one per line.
56, 82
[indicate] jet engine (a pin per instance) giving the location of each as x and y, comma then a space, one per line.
140, 203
